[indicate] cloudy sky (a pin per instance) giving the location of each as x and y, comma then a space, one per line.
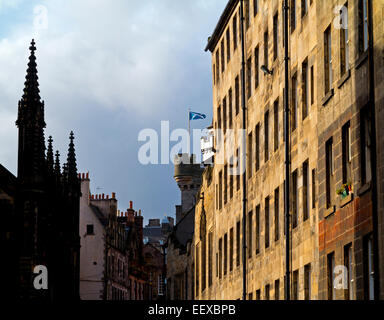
108, 69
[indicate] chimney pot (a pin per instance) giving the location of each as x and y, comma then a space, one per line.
130, 204
87, 175
83, 176
103, 196
107, 196
113, 195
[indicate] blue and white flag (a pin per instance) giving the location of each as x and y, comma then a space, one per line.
196, 116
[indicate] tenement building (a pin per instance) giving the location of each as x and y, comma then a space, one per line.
113, 264
336, 153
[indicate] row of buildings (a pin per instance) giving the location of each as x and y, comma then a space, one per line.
120, 259
62, 242
336, 101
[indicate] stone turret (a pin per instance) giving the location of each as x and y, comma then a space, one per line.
188, 176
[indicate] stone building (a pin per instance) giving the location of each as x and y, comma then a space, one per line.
332, 222
112, 251
40, 207
180, 253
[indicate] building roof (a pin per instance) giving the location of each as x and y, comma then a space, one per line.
223, 21
103, 220
7, 180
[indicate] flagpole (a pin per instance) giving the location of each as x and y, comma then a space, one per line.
189, 130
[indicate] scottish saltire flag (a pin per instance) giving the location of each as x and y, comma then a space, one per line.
196, 116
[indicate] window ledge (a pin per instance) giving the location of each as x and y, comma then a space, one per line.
361, 59
327, 97
329, 211
344, 78
346, 200
363, 189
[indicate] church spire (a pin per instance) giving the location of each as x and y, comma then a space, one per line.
71, 160
31, 124
57, 164
50, 161
31, 85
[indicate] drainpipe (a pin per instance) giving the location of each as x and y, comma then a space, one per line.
244, 150
373, 154
287, 152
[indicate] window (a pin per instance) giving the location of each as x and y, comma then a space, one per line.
305, 191
347, 152
304, 7
313, 188
222, 56
217, 264
258, 229
214, 73
329, 172
231, 249
247, 16
225, 253
295, 202
294, 103
203, 263
249, 159
257, 151
277, 212
293, 15
344, 42
304, 89
250, 296
197, 254
307, 282
250, 223
219, 126
331, 275
348, 294
275, 36
257, 66
369, 273
365, 145
225, 115
363, 26
276, 125
249, 77
266, 222
160, 285
210, 260
231, 182
238, 249
237, 95
266, 48
230, 109
255, 7
228, 35
267, 288
220, 257
234, 32
225, 184
238, 167
217, 66
328, 60
90, 229
295, 285
220, 190
266, 136
277, 289
312, 86
258, 294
